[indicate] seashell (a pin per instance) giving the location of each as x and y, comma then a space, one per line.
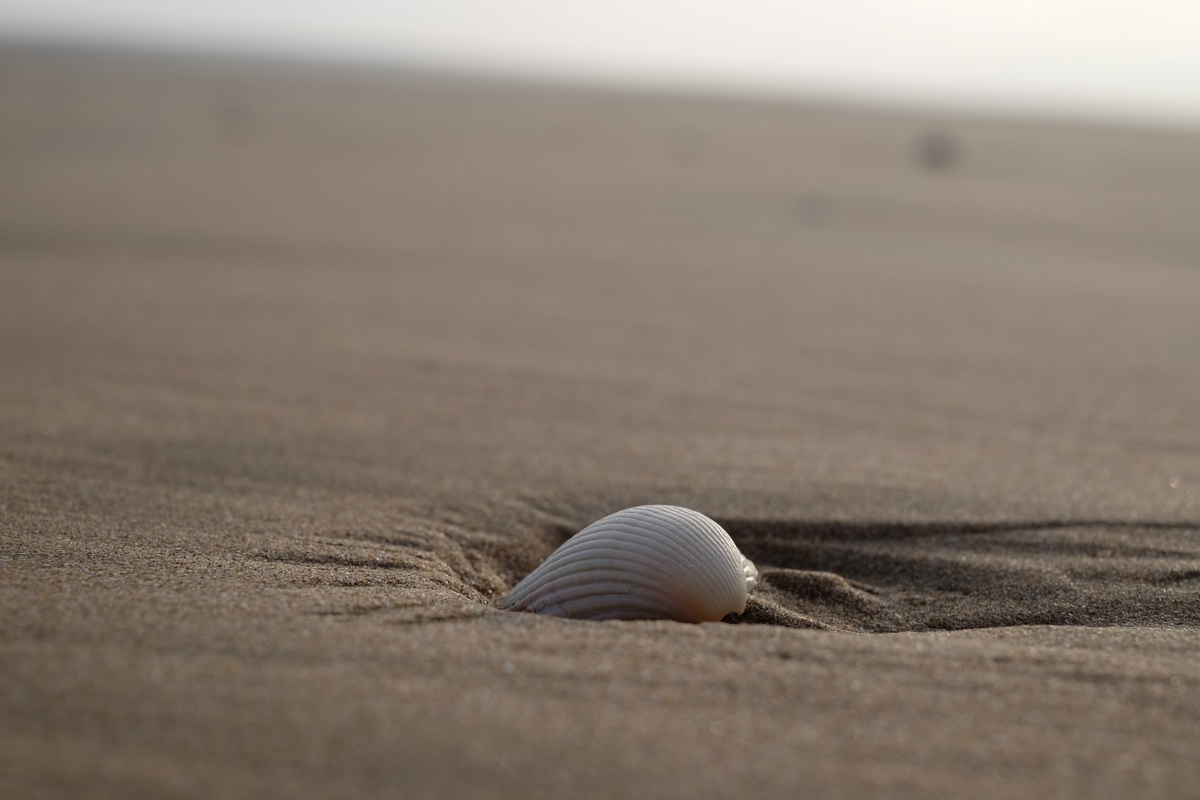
648, 562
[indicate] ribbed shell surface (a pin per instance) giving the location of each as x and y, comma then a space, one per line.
648, 562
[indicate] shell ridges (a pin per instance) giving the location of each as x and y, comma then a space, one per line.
647, 562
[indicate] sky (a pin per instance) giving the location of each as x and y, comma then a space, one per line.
1122, 60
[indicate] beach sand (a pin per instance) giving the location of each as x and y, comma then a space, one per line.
301, 369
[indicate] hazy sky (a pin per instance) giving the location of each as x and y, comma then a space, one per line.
1116, 58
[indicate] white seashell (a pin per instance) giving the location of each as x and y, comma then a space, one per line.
648, 562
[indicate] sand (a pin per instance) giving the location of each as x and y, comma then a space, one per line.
301, 369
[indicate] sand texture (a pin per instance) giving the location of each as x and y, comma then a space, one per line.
302, 369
